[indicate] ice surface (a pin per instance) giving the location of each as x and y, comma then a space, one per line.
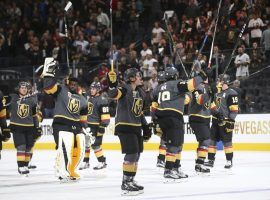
249, 179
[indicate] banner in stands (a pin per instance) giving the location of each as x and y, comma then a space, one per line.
252, 132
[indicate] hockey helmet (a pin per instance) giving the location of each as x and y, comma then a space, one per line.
96, 85
225, 78
161, 77
171, 73
131, 73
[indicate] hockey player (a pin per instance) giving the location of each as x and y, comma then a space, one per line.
224, 111
170, 98
129, 122
23, 124
69, 122
5, 130
98, 120
199, 120
156, 128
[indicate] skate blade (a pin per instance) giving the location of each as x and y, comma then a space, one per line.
171, 180
130, 193
203, 174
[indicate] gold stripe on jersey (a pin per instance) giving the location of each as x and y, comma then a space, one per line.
93, 123
51, 90
172, 109
197, 115
119, 94
105, 117
83, 118
233, 108
20, 156
129, 167
228, 149
129, 124
18, 124
170, 157
191, 85
187, 99
3, 113
62, 116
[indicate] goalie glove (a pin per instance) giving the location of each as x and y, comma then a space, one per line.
87, 132
49, 67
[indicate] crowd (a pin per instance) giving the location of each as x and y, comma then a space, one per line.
143, 37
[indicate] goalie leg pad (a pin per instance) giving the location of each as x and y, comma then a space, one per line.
64, 153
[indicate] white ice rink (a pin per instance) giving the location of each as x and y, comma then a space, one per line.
249, 179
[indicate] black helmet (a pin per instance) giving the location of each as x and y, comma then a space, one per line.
171, 73
130, 73
225, 78
161, 77
96, 85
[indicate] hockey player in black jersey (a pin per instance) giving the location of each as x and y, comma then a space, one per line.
69, 122
98, 119
129, 122
171, 99
199, 120
156, 128
224, 111
5, 130
24, 123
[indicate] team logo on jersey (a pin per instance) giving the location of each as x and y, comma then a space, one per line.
73, 105
23, 110
90, 108
137, 106
207, 105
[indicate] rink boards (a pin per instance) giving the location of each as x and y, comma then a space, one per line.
252, 133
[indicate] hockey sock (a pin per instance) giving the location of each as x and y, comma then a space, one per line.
87, 155
229, 152
177, 161
170, 160
21, 158
212, 152
99, 155
129, 168
162, 153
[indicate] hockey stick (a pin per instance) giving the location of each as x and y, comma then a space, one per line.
214, 36
66, 9
171, 42
112, 61
235, 47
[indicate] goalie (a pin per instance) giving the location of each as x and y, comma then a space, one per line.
69, 122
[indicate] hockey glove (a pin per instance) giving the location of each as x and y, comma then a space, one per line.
87, 131
5, 134
49, 67
229, 125
147, 132
38, 133
112, 79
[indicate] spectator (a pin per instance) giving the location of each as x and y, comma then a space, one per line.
242, 62
256, 58
255, 25
265, 42
103, 19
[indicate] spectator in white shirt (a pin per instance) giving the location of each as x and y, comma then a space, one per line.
103, 18
255, 25
148, 67
157, 32
242, 62
145, 50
